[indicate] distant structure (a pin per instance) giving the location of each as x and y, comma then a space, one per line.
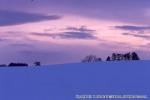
17, 64
3, 65
120, 57
37, 63
91, 58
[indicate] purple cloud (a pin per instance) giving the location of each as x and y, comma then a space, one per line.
80, 29
8, 18
119, 10
147, 37
71, 33
133, 28
77, 35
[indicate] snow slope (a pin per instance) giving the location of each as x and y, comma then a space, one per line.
63, 82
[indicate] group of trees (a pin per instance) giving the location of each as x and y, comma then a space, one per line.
114, 57
91, 58
127, 56
20, 64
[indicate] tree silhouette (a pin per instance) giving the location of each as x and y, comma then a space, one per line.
98, 59
91, 58
135, 56
108, 59
126, 56
37, 63
3, 65
114, 56
18, 64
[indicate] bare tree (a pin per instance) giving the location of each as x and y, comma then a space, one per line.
91, 58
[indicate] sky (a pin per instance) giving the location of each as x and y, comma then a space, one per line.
65, 31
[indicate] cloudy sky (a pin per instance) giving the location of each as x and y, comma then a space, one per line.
64, 31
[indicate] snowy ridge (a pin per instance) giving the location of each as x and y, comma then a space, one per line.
63, 82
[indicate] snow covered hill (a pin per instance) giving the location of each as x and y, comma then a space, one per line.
64, 82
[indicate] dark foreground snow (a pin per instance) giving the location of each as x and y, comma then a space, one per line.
63, 82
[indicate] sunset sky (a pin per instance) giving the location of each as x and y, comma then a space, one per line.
65, 31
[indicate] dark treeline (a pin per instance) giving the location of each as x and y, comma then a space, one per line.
17, 64
90, 58
120, 57
113, 57
20, 64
